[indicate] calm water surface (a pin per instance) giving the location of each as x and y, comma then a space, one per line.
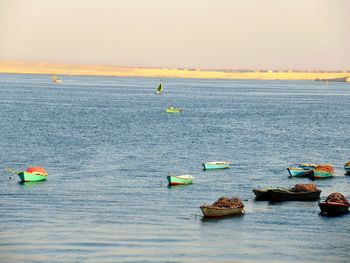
108, 145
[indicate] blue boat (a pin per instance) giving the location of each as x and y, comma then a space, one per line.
303, 170
347, 168
299, 172
215, 165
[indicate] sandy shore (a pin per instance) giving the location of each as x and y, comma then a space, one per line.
99, 70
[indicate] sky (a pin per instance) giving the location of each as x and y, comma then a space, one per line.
207, 34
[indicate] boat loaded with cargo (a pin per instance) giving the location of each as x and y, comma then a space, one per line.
224, 206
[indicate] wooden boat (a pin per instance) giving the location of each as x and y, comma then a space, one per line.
216, 165
291, 195
333, 208
159, 90
300, 192
55, 79
210, 211
299, 172
347, 167
263, 194
323, 171
335, 204
180, 179
303, 170
33, 174
173, 110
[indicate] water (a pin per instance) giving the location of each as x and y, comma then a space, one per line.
108, 145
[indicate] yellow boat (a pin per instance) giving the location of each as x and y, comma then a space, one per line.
55, 79
173, 110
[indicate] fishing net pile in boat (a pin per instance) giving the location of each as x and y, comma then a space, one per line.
37, 169
305, 188
325, 168
228, 202
337, 198
347, 164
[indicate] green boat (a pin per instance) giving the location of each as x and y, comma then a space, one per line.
180, 179
215, 165
173, 110
33, 174
32, 177
323, 171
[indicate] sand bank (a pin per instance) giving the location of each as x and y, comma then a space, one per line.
99, 70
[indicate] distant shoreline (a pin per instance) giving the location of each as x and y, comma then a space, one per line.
100, 70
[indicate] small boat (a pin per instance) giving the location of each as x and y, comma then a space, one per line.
224, 206
33, 174
210, 211
323, 171
173, 110
335, 204
180, 179
332, 208
303, 170
215, 165
291, 195
55, 79
300, 192
347, 167
299, 172
159, 90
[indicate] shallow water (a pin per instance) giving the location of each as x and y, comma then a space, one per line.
108, 145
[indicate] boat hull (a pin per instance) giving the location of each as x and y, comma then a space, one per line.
286, 195
31, 177
178, 180
321, 174
299, 172
261, 194
332, 208
217, 165
347, 170
173, 110
209, 211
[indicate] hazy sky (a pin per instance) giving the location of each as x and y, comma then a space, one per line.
254, 34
